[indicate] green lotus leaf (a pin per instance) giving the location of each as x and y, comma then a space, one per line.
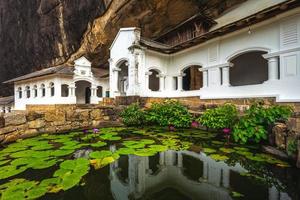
147, 141
218, 157
227, 150
2, 162
158, 148
133, 144
217, 142
36, 192
70, 181
100, 154
43, 164
241, 148
145, 152
10, 170
61, 152
236, 194
99, 144
209, 150
99, 163
125, 151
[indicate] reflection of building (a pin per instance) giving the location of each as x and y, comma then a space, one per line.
80, 84
253, 50
194, 175
6, 104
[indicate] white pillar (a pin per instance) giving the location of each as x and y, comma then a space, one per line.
161, 82
205, 78
179, 159
179, 82
147, 74
116, 71
273, 68
169, 83
225, 76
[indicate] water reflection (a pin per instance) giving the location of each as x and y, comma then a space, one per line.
183, 175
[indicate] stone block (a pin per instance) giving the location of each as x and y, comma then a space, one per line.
36, 124
28, 133
280, 133
96, 114
55, 115
33, 115
10, 129
13, 119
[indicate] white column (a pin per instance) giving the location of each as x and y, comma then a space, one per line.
115, 79
179, 159
161, 82
273, 68
225, 76
169, 83
94, 94
147, 74
205, 78
179, 82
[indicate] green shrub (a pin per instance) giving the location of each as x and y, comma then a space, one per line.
292, 146
169, 112
133, 116
221, 117
254, 124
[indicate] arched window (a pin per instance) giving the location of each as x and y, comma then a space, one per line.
64, 90
153, 80
43, 90
52, 90
35, 91
192, 79
248, 68
19, 92
99, 91
27, 92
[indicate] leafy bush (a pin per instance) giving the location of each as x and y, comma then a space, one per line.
292, 146
169, 112
254, 124
133, 116
221, 117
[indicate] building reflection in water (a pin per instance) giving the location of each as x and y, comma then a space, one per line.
183, 174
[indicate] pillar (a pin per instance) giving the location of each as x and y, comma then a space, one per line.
179, 82
147, 74
225, 76
273, 68
161, 82
205, 78
179, 159
169, 83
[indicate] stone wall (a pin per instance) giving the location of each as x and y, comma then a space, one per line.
55, 119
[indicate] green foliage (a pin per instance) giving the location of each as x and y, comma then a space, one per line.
169, 112
292, 147
254, 124
133, 116
221, 117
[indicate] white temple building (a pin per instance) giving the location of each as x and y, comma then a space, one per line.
251, 51
80, 84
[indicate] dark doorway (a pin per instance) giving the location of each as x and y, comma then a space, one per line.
88, 95
192, 79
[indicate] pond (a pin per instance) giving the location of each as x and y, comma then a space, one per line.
149, 163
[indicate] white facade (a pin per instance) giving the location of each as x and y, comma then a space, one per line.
278, 38
79, 88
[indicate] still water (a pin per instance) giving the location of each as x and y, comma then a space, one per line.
152, 165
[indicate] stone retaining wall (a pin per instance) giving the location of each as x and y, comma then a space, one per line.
55, 119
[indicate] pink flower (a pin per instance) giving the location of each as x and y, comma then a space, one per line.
95, 130
195, 124
171, 127
226, 131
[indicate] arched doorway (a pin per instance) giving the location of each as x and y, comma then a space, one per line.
83, 92
154, 80
123, 78
248, 69
192, 79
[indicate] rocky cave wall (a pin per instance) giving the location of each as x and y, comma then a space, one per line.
36, 34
